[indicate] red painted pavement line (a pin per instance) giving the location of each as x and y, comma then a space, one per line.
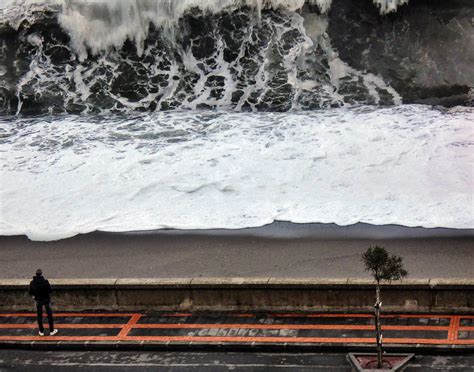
453, 328
276, 315
301, 340
296, 315
231, 325
59, 338
238, 339
96, 315
289, 326
429, 316
127, 327
69, 326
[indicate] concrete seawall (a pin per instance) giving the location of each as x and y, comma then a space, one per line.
245, 294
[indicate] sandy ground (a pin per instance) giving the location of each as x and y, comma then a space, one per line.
172, 255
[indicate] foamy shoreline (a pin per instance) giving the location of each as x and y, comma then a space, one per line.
290, 230
405, 165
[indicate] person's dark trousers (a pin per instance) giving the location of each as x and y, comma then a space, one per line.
39, 313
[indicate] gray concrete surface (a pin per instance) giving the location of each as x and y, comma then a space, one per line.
245, 294
102, 255
38, 361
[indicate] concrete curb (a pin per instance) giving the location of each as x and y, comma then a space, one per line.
270, 282
246, 294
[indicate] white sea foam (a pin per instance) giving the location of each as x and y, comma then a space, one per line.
406, 165
387, 6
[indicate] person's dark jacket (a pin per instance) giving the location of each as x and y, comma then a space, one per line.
40, 288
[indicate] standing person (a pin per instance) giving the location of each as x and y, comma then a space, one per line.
40, 289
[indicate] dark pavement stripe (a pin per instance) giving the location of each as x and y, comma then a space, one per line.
466, 335
67, 319
466, 322
320, 333
62, 331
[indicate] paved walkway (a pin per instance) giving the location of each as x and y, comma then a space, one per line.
240, 329
208, 361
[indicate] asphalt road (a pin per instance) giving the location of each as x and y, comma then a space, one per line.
38, 361
102, 255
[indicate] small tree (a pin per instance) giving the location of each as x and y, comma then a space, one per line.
382, 266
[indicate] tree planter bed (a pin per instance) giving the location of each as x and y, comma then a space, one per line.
365, 362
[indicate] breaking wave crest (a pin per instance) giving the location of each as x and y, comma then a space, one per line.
95, 56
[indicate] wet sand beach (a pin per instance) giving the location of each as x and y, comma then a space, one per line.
278, 250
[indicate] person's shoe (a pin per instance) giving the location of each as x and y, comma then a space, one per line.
52, 333
41, 333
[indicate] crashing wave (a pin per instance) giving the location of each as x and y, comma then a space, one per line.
196, 68
258, 55
101, 25
98, 25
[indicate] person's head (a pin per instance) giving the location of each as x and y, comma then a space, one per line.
39, 272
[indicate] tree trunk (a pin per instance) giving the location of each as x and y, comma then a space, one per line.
378, 326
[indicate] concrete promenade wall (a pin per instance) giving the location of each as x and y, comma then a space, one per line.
244, 294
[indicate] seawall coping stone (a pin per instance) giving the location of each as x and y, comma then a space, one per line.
157, 283
307, 283
452, 283
83, 283
228, 282
130, 283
